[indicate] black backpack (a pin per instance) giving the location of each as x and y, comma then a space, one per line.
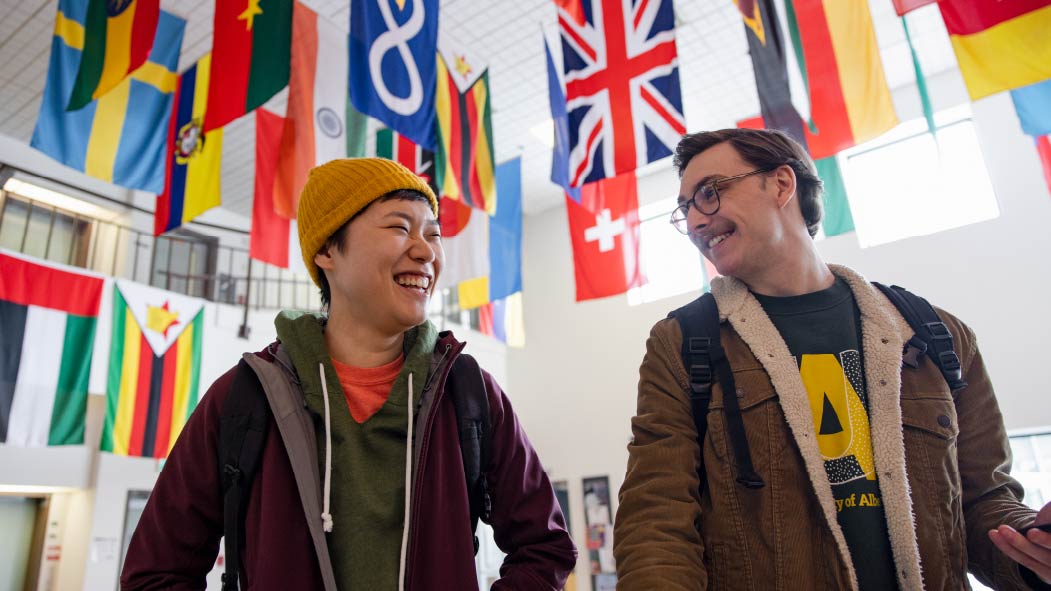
243, 430
705, 360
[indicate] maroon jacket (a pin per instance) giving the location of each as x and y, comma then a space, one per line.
176, 541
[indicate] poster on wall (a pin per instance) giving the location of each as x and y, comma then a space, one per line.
599, 516
562, 494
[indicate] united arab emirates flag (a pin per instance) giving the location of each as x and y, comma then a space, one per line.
251, 53
154, 369
47, 330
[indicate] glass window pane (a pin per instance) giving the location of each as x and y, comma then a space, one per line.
13, 226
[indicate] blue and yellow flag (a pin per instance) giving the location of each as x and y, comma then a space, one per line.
194, 157
106, 139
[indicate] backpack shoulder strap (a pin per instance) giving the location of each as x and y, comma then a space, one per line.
243, 425
931, 336
467, 388
704, 358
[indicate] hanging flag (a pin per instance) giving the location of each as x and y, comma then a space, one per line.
394, 146
154, 369
901, 7
316, 127
465, 239
191, 184
117, 39
605, 236
465, 156
999, 45
273, 239
251, 51
849, 99
106, 139
556, 96
505, 233
47, 318
783, 104
392, 66
1043, 150
1033, 106
622, 86
836, 218
508, 320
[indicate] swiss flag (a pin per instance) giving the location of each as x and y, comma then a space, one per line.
604, 229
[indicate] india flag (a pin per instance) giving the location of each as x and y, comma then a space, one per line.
47, 330
154, 369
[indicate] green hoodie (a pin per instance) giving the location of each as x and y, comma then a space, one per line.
368, 459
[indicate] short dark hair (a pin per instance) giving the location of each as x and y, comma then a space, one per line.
764, 148
337, 239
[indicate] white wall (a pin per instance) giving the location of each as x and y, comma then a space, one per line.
575, 382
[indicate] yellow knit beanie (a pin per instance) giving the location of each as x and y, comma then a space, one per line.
337, 190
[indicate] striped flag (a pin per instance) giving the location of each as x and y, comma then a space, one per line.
47, 318
251, 46
394, 146
109, 139
465, 156
154, 369
191, 184
999, 45
274, 239
317, 115
118, 36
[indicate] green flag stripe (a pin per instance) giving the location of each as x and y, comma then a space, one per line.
195, 369
797, 45
837, 219
357, 130
116, 362
385, 143
271, 53
71, 395
92, 59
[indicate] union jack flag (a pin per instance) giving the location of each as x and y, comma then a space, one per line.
622, 85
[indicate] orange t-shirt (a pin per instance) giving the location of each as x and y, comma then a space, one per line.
367, 388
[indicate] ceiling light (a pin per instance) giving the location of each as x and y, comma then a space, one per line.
56, 199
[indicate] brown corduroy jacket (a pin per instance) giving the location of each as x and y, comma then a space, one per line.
942, 461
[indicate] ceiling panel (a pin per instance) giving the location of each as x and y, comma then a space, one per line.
717, 83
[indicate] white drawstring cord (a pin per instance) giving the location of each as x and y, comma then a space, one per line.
326, 516
408, 493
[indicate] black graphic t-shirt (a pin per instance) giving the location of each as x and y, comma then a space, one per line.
823, 332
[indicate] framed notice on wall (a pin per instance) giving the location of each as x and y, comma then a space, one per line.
599, 516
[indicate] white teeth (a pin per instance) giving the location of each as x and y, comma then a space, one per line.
718, 239
413, 281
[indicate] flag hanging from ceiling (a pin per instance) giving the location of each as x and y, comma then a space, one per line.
604, 232
556, 96
274, 239
154, 369
251, 49
465, 157
392, 66
850, 101
120, 137
394, 146
1043, 150
901, 7
999, 45
47, 318
783, 99
465, 240
508, 320
118, 37
622, 86
191, 184
1033, 106
316, 125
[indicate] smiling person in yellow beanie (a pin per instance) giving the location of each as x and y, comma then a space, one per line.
359, 450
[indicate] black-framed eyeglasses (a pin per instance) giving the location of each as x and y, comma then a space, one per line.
706, 199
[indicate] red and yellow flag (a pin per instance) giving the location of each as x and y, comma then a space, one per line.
118, 37
465, 158
999, 45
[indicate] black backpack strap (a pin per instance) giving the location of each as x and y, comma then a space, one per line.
931, 335
467, 388
243, 426
704, 358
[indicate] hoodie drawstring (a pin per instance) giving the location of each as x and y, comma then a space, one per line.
326, 515
408, 494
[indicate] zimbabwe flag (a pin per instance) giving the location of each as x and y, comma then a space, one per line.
154, 369
251, 54
464, 160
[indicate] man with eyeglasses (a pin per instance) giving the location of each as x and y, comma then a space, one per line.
840, 459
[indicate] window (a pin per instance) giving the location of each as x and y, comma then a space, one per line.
44, 231
905, 184
671, 263
184, 262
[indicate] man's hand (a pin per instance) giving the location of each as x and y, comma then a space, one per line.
1033, 550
